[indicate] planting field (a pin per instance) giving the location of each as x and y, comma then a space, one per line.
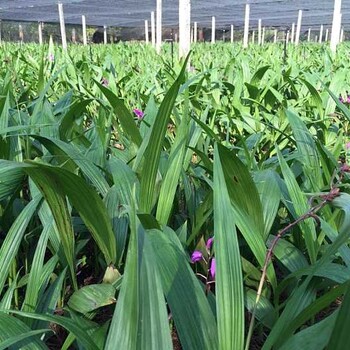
147, 203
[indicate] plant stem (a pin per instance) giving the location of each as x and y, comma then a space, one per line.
327, 198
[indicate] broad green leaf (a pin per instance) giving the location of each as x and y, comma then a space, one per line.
194, 319
91, 297
12, 329
229, 281
340, 336
153, 150
299, 203
13, 239
140, 317
175, 165
246, 205
85, 200
66, 323
124, 115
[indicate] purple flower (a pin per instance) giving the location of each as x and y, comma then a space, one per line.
139, 114
209, 243
51, 57
348, 99
347, 145
104, 82
212, 268
196, 256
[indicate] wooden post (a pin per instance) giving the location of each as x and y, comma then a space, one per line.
105, 34
83, 22
153, 30
335, 36
184, 27
232, 33
146, 32
327, 33
246, 26
159, 26
40, 32
321, 34
62, 25
195, 32
309, 35
275, 37
259, 32
297, 36
263, 36
292, 33
213, 30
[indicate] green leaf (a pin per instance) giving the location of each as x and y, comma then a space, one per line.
229, 281
86, 201
246, 204
12, 329
175, 165
340, 336
154, 147
140, 317
125, 117
194, 319
91, 297
13, 239
66, 323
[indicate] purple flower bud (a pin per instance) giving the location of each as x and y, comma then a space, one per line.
209, 243
51, 57
213, 268
139, 114
104, 82
347, 145
196, 256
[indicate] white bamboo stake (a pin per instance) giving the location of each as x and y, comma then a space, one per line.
327, 34
74, 36
232, 33
292, 33
246, 26
309, 35
195, 32
153, 30
20, 33
62, 25
83, 23
321, 34
253, 37
259, 32
287, 37
213, 30
184, 27
316, 38
40, 33
275, 37
336, 26
297, 36
191, 34
263, 36
146, 32
105, 34
159, 26
342, 35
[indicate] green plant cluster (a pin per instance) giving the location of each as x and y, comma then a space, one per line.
116, 164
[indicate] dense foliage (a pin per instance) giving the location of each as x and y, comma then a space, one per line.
148, 206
